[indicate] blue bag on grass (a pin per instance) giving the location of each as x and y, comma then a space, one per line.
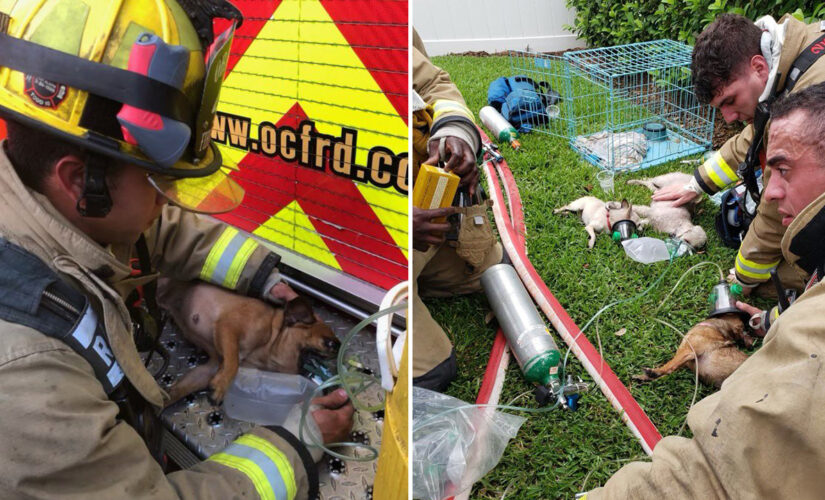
521, 100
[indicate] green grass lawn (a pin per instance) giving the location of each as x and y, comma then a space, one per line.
560, 453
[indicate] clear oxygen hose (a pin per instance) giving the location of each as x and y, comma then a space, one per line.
355, 383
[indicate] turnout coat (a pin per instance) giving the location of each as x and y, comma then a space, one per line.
60, 432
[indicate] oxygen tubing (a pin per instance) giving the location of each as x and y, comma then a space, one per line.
354, 383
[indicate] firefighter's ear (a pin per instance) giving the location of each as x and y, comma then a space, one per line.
67, 178
759, 65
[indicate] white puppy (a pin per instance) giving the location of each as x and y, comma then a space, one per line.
598, 216
664, 217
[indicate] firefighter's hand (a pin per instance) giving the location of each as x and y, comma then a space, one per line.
281, 293
334, 419
461, 160
677, 193
425, 231
754, 312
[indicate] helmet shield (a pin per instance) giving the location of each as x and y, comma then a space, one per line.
214, 194
217, 57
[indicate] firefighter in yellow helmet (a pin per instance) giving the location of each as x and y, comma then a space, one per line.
109, 106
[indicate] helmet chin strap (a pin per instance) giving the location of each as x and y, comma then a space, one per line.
98, 203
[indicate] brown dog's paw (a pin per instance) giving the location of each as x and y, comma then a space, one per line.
219, 388
648, 375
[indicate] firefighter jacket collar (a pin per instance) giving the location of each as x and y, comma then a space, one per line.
792, 43
773, 37
802, 243
28, 219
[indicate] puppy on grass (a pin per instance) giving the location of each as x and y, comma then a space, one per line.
714, 351
598, 216
237, 330
664, 217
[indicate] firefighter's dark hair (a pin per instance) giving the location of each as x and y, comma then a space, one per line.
33, 152
720, 53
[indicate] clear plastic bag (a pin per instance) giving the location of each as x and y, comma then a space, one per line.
649, 250
646, 250
455, 443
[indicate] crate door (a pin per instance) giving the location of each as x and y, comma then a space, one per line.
552, 79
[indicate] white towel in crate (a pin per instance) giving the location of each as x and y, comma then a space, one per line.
618, 150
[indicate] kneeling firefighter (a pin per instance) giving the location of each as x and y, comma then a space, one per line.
444, 131
109, 107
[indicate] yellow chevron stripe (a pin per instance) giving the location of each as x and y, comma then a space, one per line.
291, 228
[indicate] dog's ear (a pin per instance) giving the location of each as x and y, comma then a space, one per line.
298, 310
625, 203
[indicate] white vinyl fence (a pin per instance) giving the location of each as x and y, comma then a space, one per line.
455, 26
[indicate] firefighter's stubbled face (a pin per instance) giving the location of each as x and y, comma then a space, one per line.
797, 165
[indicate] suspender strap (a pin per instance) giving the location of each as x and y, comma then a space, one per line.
33, 295
804, 61
149, 289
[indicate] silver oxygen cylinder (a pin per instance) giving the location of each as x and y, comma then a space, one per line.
528, 337
499, 126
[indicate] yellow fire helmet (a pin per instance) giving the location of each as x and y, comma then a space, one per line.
62, 61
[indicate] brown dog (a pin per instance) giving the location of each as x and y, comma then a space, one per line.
234, 329
714, 342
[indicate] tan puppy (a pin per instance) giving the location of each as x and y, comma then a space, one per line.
664, 217
595, 214
234, 329
714, 342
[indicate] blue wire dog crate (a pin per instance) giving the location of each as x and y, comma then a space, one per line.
623, 108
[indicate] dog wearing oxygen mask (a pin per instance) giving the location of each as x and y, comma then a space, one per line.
599, 216
664, 217
237, 330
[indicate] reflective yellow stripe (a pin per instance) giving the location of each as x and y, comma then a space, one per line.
250, 469
442, 106
227, 258
215, 253
719, 171
752, 269
277, 457
239, 262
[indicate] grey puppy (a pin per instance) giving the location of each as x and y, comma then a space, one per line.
664, 217
597, 215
